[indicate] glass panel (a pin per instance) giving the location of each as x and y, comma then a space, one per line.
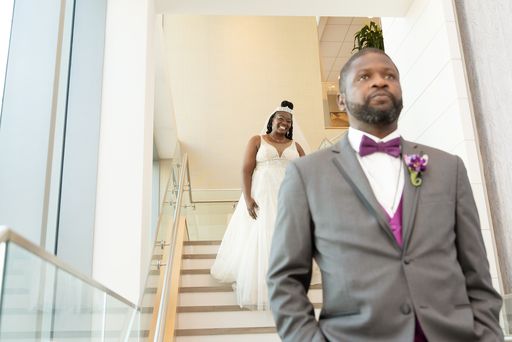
208, 221
40, 301
141, 326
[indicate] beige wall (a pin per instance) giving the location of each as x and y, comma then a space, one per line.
228, 74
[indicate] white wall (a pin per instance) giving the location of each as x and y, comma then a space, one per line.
227, 76
6, 8
425, 46
484, 26
123, 211
164, 124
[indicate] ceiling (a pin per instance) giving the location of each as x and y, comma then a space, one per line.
340, 8
336, 40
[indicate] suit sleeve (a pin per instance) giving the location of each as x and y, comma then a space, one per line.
485, 301
291, 263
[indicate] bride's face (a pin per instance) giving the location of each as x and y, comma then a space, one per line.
282, 122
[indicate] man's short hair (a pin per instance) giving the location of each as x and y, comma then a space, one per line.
348, 65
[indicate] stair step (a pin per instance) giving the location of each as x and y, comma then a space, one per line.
203, 278
230, 338
199, 256
222, 288
200, 249
198, 280
225, 331
227, 298
197, 263
208, 311
221, 308
201, 243
196, 289
224, 319
196, 271
210, 308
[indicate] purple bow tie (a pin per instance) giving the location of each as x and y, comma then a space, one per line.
368, 146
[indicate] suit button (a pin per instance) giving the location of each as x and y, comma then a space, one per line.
407, 261
405, 309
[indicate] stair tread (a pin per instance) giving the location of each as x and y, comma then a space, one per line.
196, 271
199, 256
221, 308
201, 242
225, 288
224, 303
222, 288
225, 331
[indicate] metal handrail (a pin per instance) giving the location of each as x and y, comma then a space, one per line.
190, 198
164, 295
331, 141
7, 235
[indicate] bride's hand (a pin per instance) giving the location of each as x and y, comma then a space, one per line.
252, 207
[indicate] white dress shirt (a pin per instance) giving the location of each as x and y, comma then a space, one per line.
384, 172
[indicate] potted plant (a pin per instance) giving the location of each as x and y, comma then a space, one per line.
369, 36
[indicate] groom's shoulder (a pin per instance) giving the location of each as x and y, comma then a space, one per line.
435, 155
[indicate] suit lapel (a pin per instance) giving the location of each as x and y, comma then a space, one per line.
410, 196
346, 162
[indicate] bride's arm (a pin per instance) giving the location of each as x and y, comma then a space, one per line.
248, 167
300, 149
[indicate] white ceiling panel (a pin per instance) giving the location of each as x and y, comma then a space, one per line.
338, 64
327, 62
329, 49
333, 77
334, 33
346, 48
337, 42
325, 74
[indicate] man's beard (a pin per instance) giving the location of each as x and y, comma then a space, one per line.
371, 115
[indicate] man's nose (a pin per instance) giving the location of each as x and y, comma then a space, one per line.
379, 81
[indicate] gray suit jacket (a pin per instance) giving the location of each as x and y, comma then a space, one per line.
372, 288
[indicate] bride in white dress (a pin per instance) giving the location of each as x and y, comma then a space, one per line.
242, 258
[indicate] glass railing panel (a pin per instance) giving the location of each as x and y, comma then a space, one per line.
138, 331
208, 221
41, 301
140, 328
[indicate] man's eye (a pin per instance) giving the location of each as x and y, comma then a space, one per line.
390, 77
363, 77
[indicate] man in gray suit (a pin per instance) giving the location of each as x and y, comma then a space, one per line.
393, 226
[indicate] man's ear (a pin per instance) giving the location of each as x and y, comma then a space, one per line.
341, 103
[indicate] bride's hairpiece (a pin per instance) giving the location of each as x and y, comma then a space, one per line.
286, 106
283, 109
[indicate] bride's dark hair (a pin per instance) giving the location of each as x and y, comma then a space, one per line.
288, 134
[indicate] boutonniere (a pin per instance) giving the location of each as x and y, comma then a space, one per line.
416, 165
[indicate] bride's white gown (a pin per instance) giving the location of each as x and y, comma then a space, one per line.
243, 254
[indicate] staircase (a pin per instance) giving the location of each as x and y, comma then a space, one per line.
207, 309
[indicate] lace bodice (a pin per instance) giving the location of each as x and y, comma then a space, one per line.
268, 154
